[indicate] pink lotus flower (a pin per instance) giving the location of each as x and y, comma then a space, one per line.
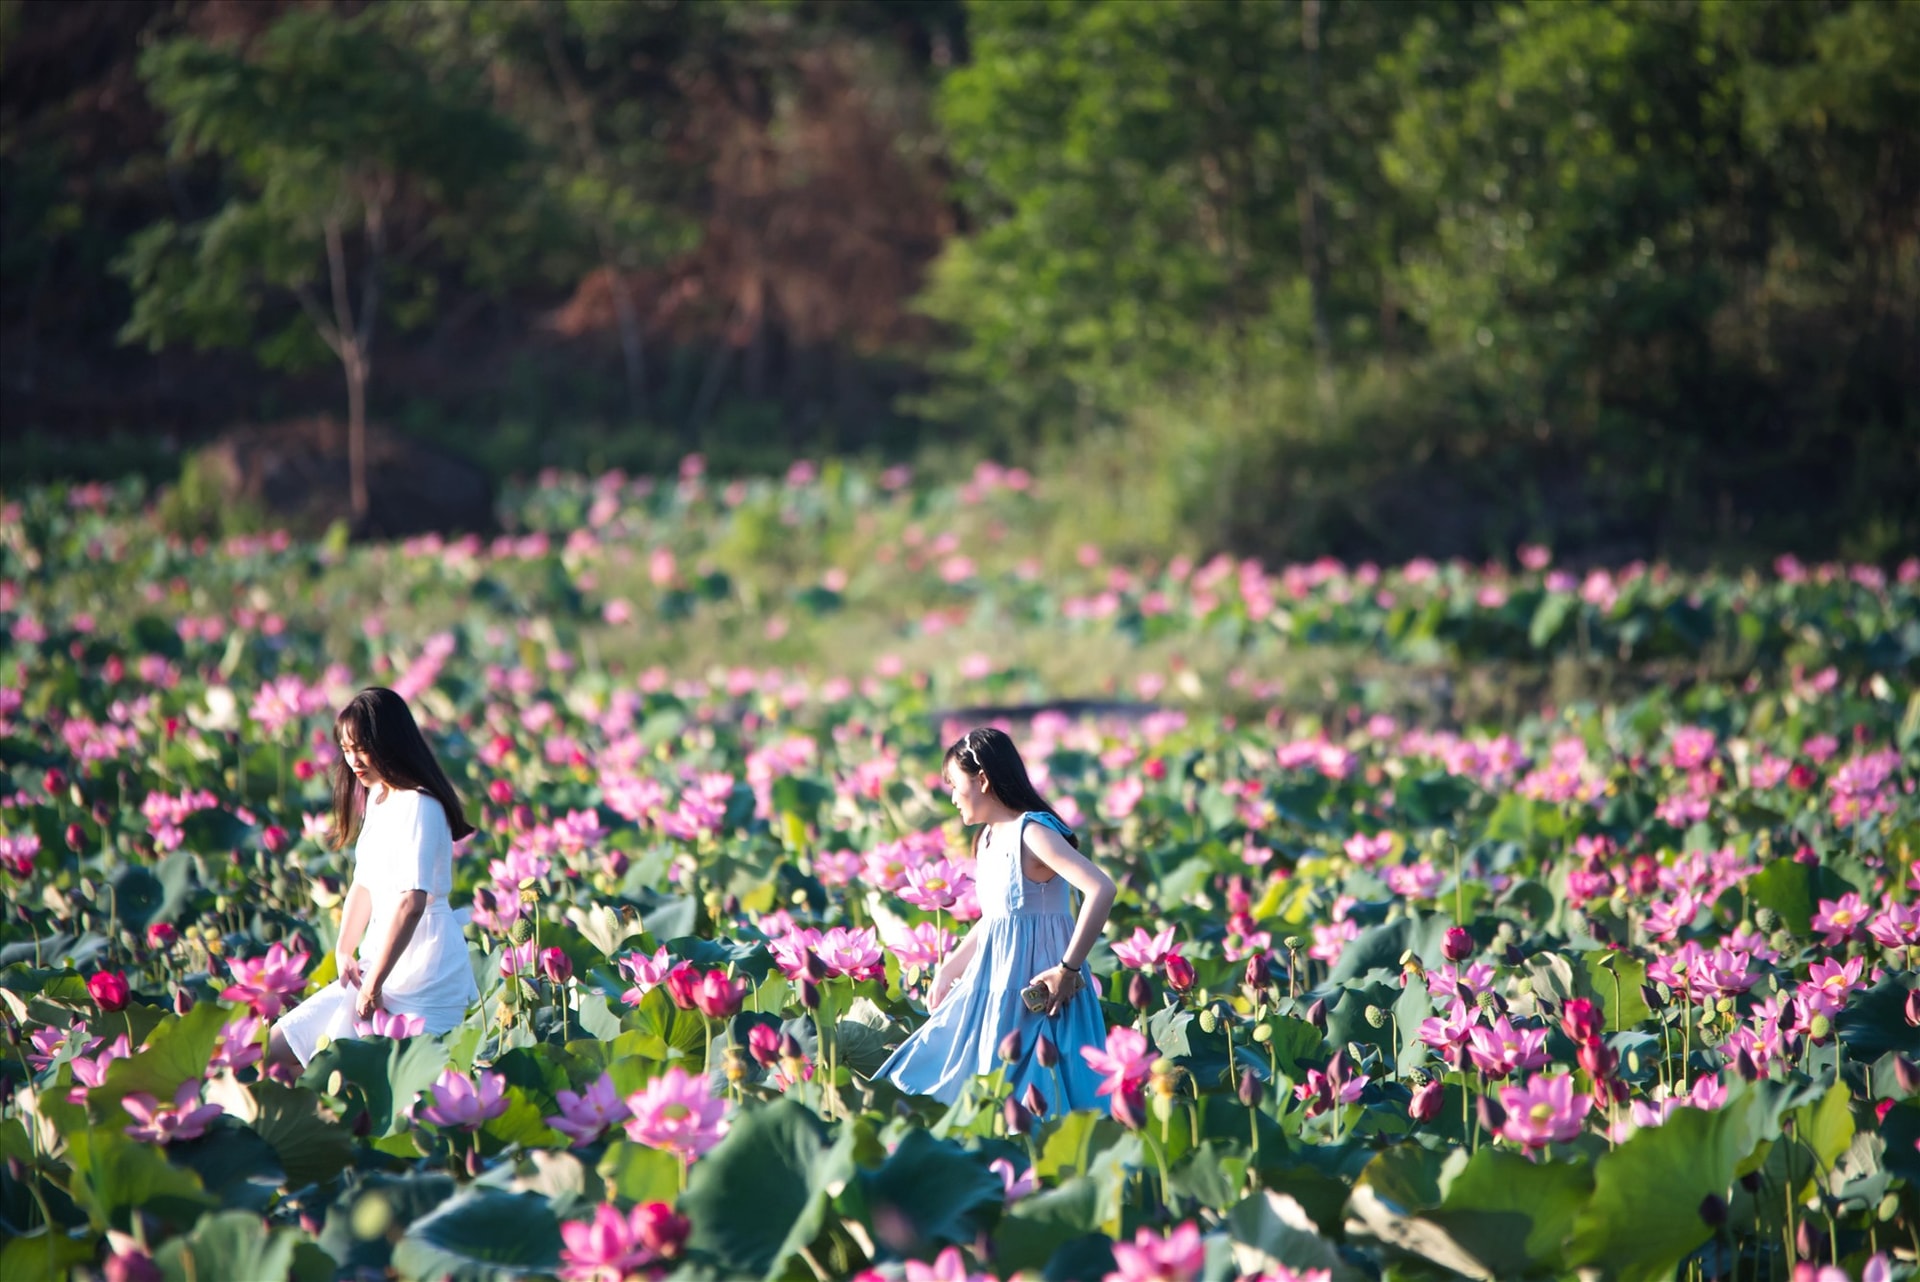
948, 1266
239, 1045
1425, 1104
854, 953
1126, 1061
518, 960
1144, 951
1502, 1049
265, 983
1368, 851
1449, 1037
645, 972
1545, 1111
923, 946
1150, 1257
584, 1117
460, 1103
1015, 1186
1841, 919
49, 1043
933, 885
613, 1247
718, 997
1897, 926
184, 1119
677, 1112
89, 1073
1337, 1087
391, 1024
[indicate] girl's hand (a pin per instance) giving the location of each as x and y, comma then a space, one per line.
1061, 985
350, 973
368, 1002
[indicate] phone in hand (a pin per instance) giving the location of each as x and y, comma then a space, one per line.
1035, 998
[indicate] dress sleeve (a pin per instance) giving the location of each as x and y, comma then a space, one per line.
423, 847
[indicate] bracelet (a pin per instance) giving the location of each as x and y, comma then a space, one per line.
1064, 966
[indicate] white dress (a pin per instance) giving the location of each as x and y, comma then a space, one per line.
405, 844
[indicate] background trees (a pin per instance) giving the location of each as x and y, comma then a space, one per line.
1284, 275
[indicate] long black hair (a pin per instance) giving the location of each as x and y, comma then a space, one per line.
384, 730
991, 753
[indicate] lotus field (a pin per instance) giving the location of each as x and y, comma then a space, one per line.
1493, 921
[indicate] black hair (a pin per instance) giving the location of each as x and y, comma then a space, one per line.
989, 752
385, 732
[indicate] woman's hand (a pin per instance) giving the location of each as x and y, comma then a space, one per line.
368, 1001
350, 973
1061, 984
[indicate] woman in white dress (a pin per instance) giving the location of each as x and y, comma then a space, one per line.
401, 950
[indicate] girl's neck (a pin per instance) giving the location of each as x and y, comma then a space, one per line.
1001, 814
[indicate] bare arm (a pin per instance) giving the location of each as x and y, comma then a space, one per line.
1064, 980
406, 916
951, 969
353, 924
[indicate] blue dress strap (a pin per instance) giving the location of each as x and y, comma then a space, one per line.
1045, 820
1018, 873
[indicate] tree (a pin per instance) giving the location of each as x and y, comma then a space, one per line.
336, 144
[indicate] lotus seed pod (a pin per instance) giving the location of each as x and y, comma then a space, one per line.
1486, 1000
1209, 1020
1888, 1208
1724, 1006
1781, 941
1376, 1017
1820, 1027
372, 1217
1766, 919
521, 930
1263, 1033
1292, 943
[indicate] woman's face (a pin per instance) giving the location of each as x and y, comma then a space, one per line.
356, 759
969, 792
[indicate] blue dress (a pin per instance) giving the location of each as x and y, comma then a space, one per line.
1024, 928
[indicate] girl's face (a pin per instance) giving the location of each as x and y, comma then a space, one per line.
970, 793
356, 759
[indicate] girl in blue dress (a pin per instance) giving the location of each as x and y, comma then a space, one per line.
1027, 864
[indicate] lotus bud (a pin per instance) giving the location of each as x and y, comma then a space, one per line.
1317, 1014
134, 1265
1033, 1101
1011, 1047
1019, 1121
790, 1047
1127, 1106
182, 1000
1457, 944
663, 1231
809, 994
1179, 973
1492, 1116
1713, 1210
812, 967
1259, 973
1251, 1089
1045, 1052
1810, 1241
1376, 1018
1139, 991
1751, 1181
1598, 929
1912, 1008
1580, 1020
1598, 1059
1425, 1104
555, 965
109, 990
75, 836
1743, 1064
1907, 1074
